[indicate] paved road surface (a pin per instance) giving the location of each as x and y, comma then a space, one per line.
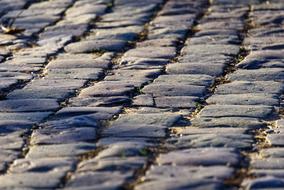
141, 95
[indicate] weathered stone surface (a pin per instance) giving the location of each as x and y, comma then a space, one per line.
31, 180
255, 111
244, 99
123, 147
243, 122
145, 94
276, 139
43, 165
195, 68
208, 49
97, 180
163, 89
137, 130
28, 105
182, 184
25, 116
166, 172
108, 88
122, 164
70, 61
200, 80
265, 74
244, 87
264, 183
269, 163
165, 119
63, 135
60, 150
78, 73
241, 141
100, 101
200, 157
96, 45
275, 152
103, 112
176, 102
268, 172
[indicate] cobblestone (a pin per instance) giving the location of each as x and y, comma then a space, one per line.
153, 94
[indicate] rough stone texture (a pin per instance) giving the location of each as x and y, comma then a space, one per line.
152, 94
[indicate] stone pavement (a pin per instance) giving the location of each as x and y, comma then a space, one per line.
141, 95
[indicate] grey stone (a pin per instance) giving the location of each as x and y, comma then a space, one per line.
100, 101
275, 152
27, 116
176, 102
28, 105
98, 180
143, 100
268, 163
196, 68
129, 33
89, 120
255, 111
192, 130
104, 112
71, 61
280, 123
42, 165
208, 49
142, 63
138, 130
264, 182
96, 45
63, 135
112, 164
108, 88
60, 150
164, 89
244, 87
164, 119
123, 147
78, 73
121, 75
265, 74
199, 80
181, 184
258, 59
7, 126
168, 32
16, 75
268, 172
192, 172
201, 157
276, 139
241, 141
157, 43
157, 52
31, 179
243, 122
6, 84
57, 93
244, 99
